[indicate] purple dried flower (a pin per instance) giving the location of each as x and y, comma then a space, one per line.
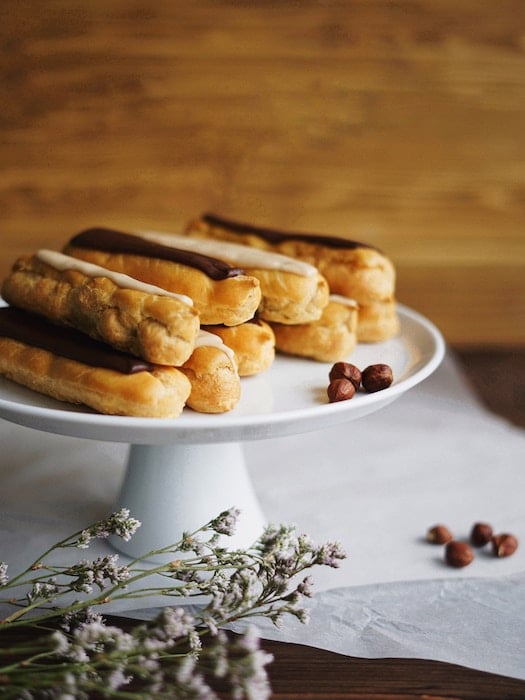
4, 578
329, 554
166, 657
42, 590
226, 522
119, 524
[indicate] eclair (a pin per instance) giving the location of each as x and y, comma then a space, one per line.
330, 339
129, 315
253, 344
292, 291
353, 269
213, 375
67, 365
377, 321
221, 293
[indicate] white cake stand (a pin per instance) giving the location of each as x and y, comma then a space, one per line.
182, 472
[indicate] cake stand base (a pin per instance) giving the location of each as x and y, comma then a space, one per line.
173, 489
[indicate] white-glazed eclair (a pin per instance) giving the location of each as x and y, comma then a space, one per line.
353, 269
330, 339
253, 344
132, 316
292, 291
213, 375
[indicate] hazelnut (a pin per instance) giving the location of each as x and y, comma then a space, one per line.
376, 377
458, 554
340, 390
504, 545
481, 534
345, 370
439, 534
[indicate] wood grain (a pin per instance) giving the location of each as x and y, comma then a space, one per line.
300, 672
398, 122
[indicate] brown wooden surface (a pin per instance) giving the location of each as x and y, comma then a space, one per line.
300, 672
400, 123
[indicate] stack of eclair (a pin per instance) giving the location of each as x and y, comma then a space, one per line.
144, 323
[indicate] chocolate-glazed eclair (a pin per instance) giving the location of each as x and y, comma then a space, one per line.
353, 269
134, 317
67, 365
221, 293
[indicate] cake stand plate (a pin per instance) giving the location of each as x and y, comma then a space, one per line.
181, 472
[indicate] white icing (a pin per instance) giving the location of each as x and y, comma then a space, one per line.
343, 300
205, 338
233, 253
66, 262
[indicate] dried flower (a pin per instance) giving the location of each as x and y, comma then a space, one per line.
73, 652
3, 573
119, 524
86, 574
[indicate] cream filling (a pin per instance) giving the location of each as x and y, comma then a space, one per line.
205, 338
339, 299
66, 262
234, 253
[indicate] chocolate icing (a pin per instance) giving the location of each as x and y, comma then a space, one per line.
67, 342
276, 236
119, 242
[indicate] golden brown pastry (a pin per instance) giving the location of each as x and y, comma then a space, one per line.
377, 321
146, 321
103, 379
353, 269
291, 298
212, 372
253, 344
220, 292
330, 339
292, 291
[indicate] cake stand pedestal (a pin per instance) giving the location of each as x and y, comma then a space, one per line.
183, 472
176, 488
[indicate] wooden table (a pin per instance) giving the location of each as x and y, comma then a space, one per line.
301, 673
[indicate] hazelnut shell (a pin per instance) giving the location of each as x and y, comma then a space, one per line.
340, 390
481, 534
439, 534
377, 377
346, 370
504, 545
458, 554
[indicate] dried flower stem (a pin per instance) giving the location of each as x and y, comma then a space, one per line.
72, 652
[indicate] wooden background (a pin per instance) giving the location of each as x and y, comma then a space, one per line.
397, 122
